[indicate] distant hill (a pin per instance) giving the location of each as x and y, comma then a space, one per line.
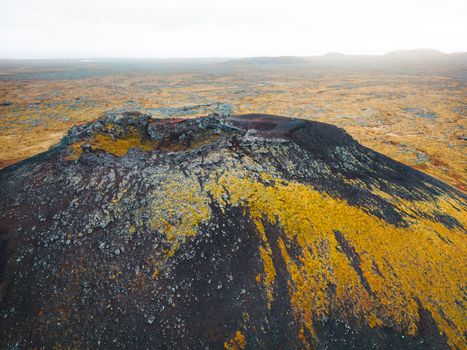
280, 60
331, 54
405, 59
416, 54
51, 69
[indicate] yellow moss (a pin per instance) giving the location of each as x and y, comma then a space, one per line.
155, 273
303, 339
269, 273
114, 145
238, 342
75, 150
120, 146
413, 265
403, 267
374, 321
178, 209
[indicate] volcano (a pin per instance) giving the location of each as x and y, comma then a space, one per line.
236, 232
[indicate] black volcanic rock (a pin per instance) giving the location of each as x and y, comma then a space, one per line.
239, 232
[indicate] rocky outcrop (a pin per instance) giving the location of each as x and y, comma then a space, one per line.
236, 232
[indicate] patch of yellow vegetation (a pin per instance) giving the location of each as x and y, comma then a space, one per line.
114, 145
75, 150
399, 268
178, 209
120, 146
238, 342
269, 273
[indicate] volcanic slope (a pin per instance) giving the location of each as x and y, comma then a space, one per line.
239, 232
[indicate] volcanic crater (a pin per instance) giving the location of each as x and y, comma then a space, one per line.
238, 232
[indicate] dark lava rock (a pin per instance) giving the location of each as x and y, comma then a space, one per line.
237, 232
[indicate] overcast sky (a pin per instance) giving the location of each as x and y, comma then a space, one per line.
207, 28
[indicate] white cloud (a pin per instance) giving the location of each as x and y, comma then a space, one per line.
169, 28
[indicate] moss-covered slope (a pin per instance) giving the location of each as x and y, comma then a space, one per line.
241, 232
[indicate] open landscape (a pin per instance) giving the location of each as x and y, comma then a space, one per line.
411, 106
237, 175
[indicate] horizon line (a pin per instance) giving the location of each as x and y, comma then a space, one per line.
97, 56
